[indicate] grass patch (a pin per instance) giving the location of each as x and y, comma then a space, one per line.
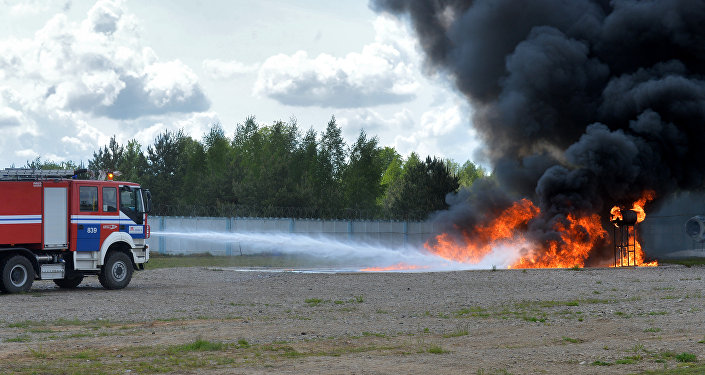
628, 360
572, 340
689, 370
242, 343
461, 330
685, 262
196, 356
20, 338
653, 330
313, 301
601, 363
533, 319
686, 357
25, 324
472, 311
197, 346
436, 349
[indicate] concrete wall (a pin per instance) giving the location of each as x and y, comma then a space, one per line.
392, 234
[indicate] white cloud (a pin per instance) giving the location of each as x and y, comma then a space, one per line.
9, 117
218, 69
374, 122
444, 132
27, 7
104, 16
198, 124
72, 84
195, 125
384, 72
98, 67
146, 135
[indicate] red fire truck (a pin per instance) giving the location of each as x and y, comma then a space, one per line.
56, 227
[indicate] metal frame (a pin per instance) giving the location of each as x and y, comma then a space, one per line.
624, 245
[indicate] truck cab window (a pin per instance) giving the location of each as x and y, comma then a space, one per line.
131, 203
109, 199
88, 197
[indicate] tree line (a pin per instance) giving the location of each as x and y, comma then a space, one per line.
276, 170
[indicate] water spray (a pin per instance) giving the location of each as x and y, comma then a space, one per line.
328, 254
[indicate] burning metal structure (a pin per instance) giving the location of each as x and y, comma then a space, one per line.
624, 237
581, 104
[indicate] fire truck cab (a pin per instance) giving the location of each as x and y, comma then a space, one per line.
56, 227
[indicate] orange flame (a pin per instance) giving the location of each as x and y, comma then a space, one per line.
616, 213
396, 267
637, 207
578, 237
480, 241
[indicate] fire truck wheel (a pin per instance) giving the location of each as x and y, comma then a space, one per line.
17, 274
69, 283
117, 271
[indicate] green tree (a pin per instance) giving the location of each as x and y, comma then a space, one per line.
195, 188
167, 162
265, 173
331, 156
133, 164
38, 163
276, 160
216, 168
108, 158
308, 169
469, 172
246, 145
392, 164
362, 175
421, 189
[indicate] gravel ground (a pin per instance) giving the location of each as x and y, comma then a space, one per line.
516, 321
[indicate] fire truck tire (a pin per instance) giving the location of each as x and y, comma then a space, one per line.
17, 274
117, 271
69, 283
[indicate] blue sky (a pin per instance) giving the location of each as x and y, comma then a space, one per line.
74, 73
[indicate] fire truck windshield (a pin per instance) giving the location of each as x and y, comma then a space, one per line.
131, 203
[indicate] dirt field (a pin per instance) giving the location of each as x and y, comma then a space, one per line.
219, 321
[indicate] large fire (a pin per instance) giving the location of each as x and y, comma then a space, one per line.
578, 236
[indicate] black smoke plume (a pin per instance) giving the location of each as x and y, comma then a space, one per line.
581, 104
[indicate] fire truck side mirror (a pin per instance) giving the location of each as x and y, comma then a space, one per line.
147, 201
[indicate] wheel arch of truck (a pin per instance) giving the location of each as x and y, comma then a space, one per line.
120, 240
8, 252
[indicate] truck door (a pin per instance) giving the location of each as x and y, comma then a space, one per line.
110, 217
54, 221
88, 220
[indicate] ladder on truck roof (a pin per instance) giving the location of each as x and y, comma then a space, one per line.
23, 174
